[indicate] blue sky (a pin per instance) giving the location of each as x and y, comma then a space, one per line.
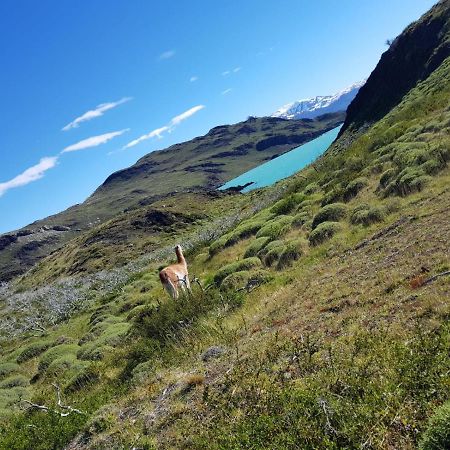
88, 87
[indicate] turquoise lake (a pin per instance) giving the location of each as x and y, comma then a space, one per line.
285, 165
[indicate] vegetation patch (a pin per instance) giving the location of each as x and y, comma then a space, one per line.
56, 352
33, 350
255, 246
437, 434
330, 213
276, 227
323, 232
244, 264
14, 381
366, 215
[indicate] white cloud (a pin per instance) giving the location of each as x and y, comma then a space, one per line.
158, 133
94, 113
194, 78
183, 116
31, 174
93, 141
155, 133
226, 91
227, 72
237, 69
167, 55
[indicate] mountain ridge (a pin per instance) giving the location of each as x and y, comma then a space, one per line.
309, 108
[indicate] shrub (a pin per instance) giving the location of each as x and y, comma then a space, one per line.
300, 219
64, 363
94, 352
7, 368
292, 252
55, 353
273, 254
311, 188
269, 247
366, 215
287, 204
14, 381
33, 350
161, 323
334, 195
354, 187
256, 245
387, 177
276, 227
330, 213
245, 278
437, 434
88, 375
432, 166
324, 231
244, 264
242, 231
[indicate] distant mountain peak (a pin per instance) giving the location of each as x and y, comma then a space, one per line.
309, 108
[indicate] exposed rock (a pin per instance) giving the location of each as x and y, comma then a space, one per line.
6, 240
212, 353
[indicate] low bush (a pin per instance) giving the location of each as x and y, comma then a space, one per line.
159, 324
14, 381
291, 253
287, 204
300, 219
85, 377
276, 227
33, 350
333, 195
7, 368
311, 188
366, 215
244, 264
273, 254
354, 187
437, 434
323, 232
255, 246
245, 278
330, 213
55, 353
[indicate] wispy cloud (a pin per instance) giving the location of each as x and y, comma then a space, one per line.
93, 141
194, 78
183, 116
229, 72
167, 54
94, 113
159, 132
31, 174
155, 133
226, 91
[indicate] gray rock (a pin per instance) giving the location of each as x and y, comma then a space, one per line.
212, 352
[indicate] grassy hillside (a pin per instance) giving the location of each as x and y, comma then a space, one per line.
323, 322
204, 163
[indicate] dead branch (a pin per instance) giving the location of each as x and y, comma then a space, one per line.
69, 409
434, 277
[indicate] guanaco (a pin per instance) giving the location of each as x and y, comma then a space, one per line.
176, 275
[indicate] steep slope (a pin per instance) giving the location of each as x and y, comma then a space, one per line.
411, 57
201, 164
316, 106
325, 324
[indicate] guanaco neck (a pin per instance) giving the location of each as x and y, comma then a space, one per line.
180, 256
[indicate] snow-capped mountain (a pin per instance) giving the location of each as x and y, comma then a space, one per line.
316, 106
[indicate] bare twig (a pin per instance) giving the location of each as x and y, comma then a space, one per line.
69, 409
434, 277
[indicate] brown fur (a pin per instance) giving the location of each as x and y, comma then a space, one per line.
176, 275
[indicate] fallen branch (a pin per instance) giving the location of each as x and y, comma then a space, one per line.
434, 277
69, 409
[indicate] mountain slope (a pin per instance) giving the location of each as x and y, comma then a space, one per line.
411, 57
316, 106
324, 324
204, 163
